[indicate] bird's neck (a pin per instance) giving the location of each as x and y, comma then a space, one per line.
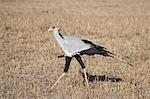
59, 39
58, 35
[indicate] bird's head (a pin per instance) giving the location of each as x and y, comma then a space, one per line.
53, 28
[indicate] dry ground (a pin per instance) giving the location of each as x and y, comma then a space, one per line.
28, 53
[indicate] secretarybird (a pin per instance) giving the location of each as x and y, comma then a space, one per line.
76, 47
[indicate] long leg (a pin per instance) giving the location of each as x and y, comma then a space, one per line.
57, 81
67, 64
83, 67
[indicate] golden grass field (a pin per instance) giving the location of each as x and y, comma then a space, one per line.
28, 53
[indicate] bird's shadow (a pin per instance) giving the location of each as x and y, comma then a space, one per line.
103, 78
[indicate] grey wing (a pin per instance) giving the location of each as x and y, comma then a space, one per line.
75, 44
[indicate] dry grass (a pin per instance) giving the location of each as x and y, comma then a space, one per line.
28, 53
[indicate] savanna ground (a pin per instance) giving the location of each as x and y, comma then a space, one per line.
28, 53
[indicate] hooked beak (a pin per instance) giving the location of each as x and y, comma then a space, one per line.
50, 29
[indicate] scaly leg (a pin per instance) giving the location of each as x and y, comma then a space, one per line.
57, 81
84, 70
68, 60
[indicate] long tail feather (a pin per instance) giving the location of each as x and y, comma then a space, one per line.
120, 59
106, 53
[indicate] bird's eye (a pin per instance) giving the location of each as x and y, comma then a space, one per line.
59, 29
53, 27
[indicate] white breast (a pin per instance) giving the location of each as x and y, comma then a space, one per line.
71, 45
74, 45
